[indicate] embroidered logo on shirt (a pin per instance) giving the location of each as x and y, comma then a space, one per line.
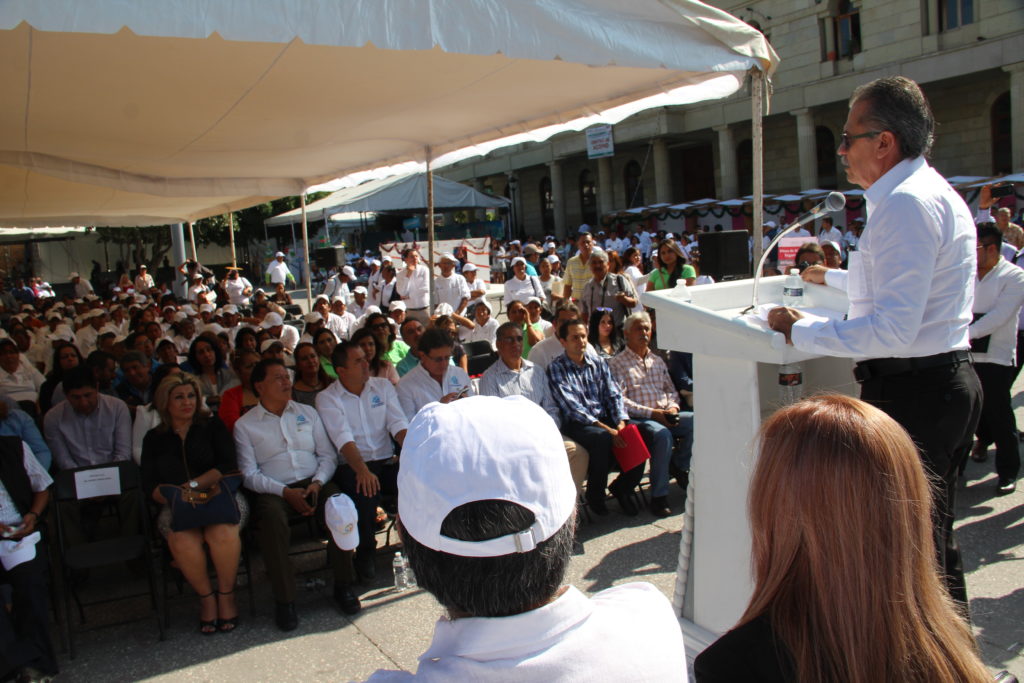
376, 401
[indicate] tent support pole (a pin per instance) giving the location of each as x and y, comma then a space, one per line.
430, 230
231, 235
192, 239
305, 247
757, 83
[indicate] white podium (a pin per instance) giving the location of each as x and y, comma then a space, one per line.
735, 374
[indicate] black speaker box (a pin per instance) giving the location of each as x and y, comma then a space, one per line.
723, 255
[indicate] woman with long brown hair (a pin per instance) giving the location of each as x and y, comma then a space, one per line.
846, 582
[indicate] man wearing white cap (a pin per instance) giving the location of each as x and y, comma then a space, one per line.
278, 271
477, 287
81, 285
144, 281
362, 414
435, 378
340, 324
273, 323
359, 303
336, 285
498, 512
413, 285
450, 287
287, 460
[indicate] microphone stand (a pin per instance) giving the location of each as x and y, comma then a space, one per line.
811, 215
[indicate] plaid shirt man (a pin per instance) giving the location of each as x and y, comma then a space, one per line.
644, 382
585, 394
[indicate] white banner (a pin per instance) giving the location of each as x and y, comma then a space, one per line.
599, 142
478, 252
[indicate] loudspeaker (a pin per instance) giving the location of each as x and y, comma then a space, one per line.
723, 255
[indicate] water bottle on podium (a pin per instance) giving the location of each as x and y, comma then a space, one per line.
793, 289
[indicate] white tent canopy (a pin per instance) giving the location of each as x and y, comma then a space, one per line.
128, 113
397, 193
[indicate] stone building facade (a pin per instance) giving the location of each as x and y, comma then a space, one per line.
968, 56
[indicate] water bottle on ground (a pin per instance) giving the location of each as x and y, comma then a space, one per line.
791, 383
410, 578
793, 289
401, 572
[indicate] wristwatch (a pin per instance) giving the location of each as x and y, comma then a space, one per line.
193, 484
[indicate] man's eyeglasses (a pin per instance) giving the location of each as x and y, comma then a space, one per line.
845, 139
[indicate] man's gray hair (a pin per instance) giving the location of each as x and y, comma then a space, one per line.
634, 318
599, 255
896, 104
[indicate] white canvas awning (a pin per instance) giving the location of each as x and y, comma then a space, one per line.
397, 193
135, 113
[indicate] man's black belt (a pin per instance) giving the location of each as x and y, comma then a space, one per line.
884, 367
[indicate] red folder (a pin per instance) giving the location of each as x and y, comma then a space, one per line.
634, 452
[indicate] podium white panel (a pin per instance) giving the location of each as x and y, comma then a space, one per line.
735, 374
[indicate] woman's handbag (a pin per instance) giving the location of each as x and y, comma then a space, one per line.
194, 509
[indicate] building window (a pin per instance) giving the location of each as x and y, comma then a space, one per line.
846, 29
955, 13
588, 198
547, 205
745, 167
825, 146
1002, 139
634, 177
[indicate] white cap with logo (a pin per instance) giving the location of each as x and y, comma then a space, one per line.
464, 451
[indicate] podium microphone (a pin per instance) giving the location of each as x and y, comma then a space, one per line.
835, 201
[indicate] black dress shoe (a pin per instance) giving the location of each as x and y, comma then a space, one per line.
1006, 486
346, 599
285, 616
625, 498
366, 567
659, 506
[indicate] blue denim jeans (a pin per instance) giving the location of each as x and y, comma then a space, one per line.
661, 442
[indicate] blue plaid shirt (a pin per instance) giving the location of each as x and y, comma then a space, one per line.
585, 394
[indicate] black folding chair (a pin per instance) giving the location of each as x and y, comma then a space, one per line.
73, 488
479, 357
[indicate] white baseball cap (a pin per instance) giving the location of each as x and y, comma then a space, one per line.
359, 290
206, 308
443, 308
272, 320
518, 259
342, 519
279, 254
230, 309
397, 306
468, 268
269, 343
769, 224
447, 257
349, 272
464, 451
553, 258
312, 317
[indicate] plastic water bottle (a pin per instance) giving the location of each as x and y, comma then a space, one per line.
410, 578
401, 569
793, 289
791, 383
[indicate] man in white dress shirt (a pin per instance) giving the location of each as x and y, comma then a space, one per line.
911, 289
362, 414
494, 469
513, 375
998, 296
287, 461
413, 285
435, 378
828, 232
144, 281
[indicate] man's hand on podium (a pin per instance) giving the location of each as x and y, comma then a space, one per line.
815, 274
781, 320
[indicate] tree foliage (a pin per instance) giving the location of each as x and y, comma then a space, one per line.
149, 244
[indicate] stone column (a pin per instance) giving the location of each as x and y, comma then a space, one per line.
1017, 113
605, 188
729, 186
557, 197
806, 148
662, 173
